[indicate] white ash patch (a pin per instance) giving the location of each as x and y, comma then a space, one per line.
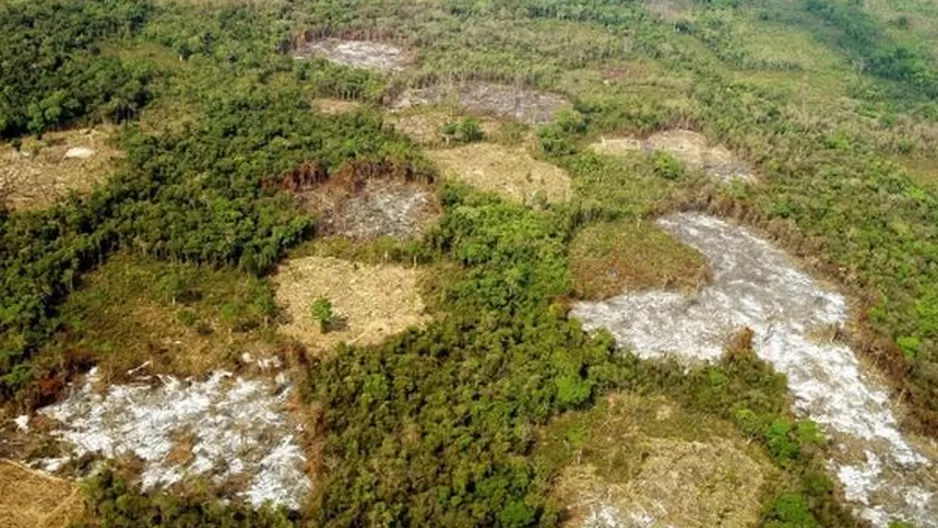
527, 105
860, 479
357, 54
756, 286
383, 209
51, 465
264, 363
686, 146
239, 428
79, 153
608, 516
22, 423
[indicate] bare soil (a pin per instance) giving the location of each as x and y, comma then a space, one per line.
335, 106
357, 54
509, 172
688, 147
371, 302
671, 10
46, 170
371, 208
31, 499
527, 105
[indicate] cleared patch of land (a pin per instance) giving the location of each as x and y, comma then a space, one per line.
527, 105
688, 147
426, 127
509, 172
30, 499
183, 319
885, 474
357, 53
691, 484
234, 430
364, 208
671, 10
638, 461
335, 106
42, 171
370, 302
614, 257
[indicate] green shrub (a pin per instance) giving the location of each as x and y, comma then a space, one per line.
790, 510
666, 166
115, 504
321, 312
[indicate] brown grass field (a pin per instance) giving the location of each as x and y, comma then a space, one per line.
46, 170
371, 302
30, 499
649, 457
509, 172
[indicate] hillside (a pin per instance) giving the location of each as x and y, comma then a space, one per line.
579, 263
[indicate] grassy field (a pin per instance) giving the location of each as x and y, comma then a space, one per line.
616, 257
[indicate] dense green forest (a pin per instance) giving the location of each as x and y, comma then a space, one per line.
835, 103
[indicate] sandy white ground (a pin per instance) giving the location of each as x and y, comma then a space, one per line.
755, 285
358, 54
689, 147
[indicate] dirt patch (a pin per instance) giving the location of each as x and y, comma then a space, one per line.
611, 258
359, 207
671, 10
527, 105
335, 106
688, 147
370, 302
43, 171
677, 483
31, 499
509, 172
382, 209
357, 54
885, 474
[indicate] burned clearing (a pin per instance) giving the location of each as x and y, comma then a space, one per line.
234, 432
380, 208
370, 302
38, 172
686, 146
357, 54
671, 10
350, 204
509, 172
527, 105
794, 322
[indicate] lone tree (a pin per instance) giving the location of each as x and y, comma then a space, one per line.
321, 312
